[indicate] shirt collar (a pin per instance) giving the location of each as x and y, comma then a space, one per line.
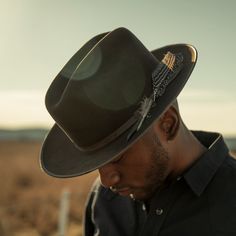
201, 173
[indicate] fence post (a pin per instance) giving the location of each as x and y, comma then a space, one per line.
63, 212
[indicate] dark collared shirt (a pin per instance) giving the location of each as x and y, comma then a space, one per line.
201, 202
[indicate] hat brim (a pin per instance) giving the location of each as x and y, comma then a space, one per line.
60, 158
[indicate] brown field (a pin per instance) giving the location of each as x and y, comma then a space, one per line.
30, 200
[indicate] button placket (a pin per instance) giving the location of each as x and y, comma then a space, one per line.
159, 208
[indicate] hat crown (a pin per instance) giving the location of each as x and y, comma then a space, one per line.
101, 87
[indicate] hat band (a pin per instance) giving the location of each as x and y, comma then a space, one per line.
110, 137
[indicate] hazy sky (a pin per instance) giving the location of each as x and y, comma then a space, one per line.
39, 37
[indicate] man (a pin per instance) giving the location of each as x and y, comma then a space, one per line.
115, 109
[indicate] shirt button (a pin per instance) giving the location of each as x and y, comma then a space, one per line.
179, 178
159, 211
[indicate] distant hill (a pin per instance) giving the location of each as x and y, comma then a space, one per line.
23, 134
231, 143
39, 135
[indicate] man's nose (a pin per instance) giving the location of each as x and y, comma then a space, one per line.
109, 175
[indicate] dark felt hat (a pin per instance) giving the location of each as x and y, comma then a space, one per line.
105, 98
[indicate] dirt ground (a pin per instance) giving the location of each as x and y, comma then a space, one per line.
30, 200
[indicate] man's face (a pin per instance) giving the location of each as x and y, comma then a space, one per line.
139, 171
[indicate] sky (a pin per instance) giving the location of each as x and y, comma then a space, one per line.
39, 37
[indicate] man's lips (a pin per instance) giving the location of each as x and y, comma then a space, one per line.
124, 191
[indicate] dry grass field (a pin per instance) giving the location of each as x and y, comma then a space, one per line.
30, 200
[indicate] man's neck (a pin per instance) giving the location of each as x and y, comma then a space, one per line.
184, 152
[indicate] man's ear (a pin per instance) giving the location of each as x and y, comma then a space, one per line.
168, 124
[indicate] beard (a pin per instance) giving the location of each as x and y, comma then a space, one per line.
157, 174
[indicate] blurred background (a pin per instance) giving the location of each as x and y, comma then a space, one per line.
39, 37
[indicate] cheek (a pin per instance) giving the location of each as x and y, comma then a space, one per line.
143, 165
137, 175
158, 169
154, 170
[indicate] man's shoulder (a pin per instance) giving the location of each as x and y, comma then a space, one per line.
228, 168
224, 181
96, 185
97, 190
222, 197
